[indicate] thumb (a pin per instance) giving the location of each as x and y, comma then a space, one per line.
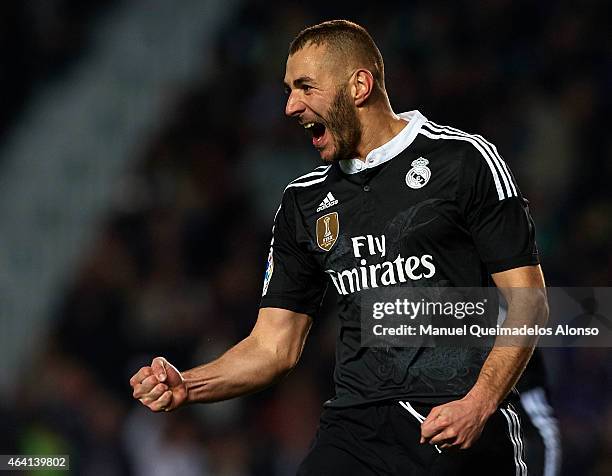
159, 368
174, 377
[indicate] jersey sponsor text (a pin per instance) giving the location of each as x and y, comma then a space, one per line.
387, 273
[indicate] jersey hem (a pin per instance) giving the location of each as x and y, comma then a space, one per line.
288, 304
517, 262
512, 397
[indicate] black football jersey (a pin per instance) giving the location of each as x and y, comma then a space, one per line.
434, 206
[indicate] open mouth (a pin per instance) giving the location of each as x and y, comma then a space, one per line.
317, 131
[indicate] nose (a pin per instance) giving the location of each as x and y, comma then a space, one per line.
294, 106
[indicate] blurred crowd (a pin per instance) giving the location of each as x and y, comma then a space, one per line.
177, 267
39, 40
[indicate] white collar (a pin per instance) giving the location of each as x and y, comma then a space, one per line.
390, 149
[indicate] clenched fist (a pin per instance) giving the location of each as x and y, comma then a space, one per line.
160, 387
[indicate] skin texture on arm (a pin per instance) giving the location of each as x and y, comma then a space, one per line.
270, 351
459, 423
524, 291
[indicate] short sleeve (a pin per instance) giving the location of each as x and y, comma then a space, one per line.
496, 213
292, 279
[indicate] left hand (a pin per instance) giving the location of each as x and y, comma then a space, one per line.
456, 424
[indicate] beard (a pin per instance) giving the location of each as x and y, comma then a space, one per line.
344, 126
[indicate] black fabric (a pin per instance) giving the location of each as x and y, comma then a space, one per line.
535, 374
462, 225
383, 439
542, 441
297, 285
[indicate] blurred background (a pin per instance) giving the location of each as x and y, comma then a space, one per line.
143, 153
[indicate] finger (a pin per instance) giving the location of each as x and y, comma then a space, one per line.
151, 381
163, 403
433, 427
434, 414
431, 431
159, 368
426, 437
145, 387
154, 394
448, 436
139, 376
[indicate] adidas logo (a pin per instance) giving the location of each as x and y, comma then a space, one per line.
328, 201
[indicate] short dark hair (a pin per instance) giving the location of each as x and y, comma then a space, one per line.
348, 39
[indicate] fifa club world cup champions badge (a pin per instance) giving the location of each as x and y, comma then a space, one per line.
327, 231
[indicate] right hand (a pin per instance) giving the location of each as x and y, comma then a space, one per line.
160, 386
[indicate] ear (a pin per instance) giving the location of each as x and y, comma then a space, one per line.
362, 86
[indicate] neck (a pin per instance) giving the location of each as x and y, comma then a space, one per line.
379, 125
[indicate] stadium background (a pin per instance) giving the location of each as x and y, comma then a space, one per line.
143, 152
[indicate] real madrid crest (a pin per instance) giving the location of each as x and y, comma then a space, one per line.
327, 230
419, 174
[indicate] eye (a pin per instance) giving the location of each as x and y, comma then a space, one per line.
306, 88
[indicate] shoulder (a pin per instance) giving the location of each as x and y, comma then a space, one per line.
306, 186
311, 181
479, 158
464, 144
316, 176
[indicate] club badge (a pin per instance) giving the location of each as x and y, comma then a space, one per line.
328, 227
419, 174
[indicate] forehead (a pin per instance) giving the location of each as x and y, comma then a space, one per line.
313, 61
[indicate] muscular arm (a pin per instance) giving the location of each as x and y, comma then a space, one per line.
459, 423
524, 291
270, 351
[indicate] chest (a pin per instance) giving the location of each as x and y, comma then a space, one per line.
403, 207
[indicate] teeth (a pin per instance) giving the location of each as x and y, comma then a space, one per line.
309, 125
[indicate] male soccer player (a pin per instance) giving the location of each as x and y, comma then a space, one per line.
401, 201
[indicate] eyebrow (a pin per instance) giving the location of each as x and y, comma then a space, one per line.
299, 82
